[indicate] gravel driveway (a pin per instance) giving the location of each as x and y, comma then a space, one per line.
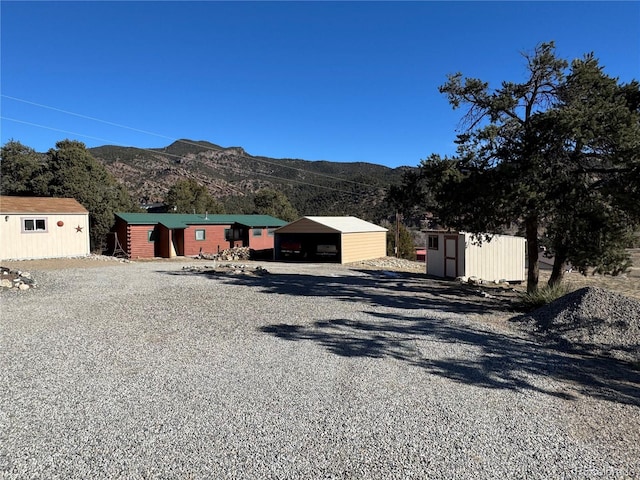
148, 370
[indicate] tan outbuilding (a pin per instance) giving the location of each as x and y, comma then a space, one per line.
460, 254
330, 239
42, 227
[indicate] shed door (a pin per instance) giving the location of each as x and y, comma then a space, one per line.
451, 256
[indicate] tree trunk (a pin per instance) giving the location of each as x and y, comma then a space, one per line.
533, 274
558, 268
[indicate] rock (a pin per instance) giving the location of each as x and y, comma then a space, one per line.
229, 254
16, 279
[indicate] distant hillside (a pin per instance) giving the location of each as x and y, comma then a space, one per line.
233, 176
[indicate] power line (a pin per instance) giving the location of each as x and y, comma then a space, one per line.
53, 128
86, 117
106, 122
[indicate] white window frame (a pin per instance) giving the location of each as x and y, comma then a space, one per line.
433, 242
24, 220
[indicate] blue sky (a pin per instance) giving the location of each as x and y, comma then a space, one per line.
338, 81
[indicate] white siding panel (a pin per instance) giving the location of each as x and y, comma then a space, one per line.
58, 241
503, 258
435, 258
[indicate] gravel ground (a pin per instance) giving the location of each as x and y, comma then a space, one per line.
151, 370
591, 319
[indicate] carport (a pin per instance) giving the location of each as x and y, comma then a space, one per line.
330, 239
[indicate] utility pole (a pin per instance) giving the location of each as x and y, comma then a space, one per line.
397, 235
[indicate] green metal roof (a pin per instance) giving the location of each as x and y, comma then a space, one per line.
183, 220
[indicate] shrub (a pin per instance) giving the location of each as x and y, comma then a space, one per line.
543, 296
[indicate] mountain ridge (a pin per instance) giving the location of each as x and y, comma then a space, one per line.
233, 176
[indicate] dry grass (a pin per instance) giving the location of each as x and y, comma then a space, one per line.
627, 284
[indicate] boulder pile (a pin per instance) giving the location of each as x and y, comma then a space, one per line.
226, 269
15, 279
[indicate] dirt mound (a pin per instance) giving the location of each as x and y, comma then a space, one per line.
591, 319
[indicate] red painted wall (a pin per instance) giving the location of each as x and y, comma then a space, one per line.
213, 239
263, 242
134, 240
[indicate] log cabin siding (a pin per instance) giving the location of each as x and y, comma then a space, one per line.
138, 244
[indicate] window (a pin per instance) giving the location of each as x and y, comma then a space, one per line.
231, 234
270, 232
257, 232
34, 225
151, 235
433, 242
200, 234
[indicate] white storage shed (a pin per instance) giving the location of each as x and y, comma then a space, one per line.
460, 254
42, 227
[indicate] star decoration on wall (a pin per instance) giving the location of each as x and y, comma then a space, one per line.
79, 228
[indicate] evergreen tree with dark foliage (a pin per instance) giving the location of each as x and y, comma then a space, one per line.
21, 170
272, 202
73, 172
188, 196
70, 171
555, 154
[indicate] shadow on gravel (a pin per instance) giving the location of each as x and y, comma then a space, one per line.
374, 288
490, 359
495, 360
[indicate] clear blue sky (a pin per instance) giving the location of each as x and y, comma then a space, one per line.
338, 81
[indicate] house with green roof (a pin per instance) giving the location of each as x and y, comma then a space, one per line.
148, 235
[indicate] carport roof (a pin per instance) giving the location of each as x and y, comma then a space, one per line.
337, 224
179, 220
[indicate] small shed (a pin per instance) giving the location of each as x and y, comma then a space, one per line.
330, 239
42, 227
461, 254
148, 235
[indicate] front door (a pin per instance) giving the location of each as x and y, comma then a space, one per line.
451, 256
177, 242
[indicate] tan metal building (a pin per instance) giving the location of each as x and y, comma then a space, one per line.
459, 254
330, 239
42, 227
